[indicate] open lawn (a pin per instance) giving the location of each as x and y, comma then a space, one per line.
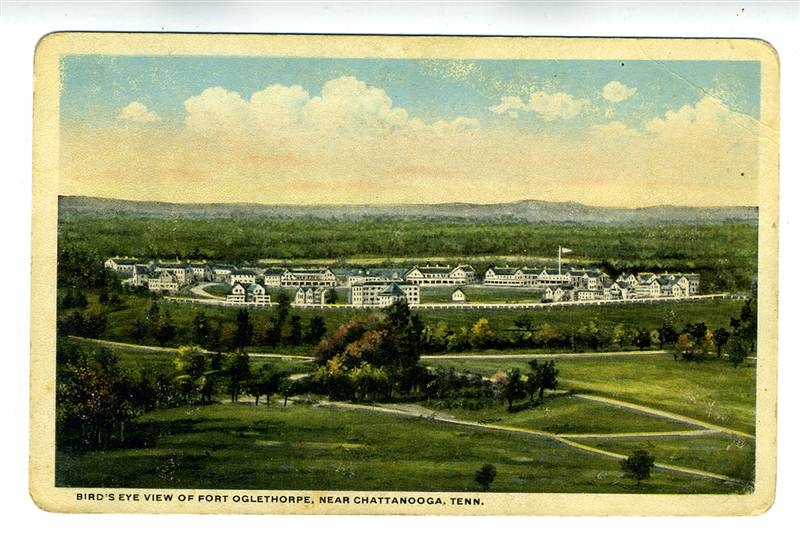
136, 363
564, 414
714, 313
712, 391
717, 453
121, 319
480, 294
312, 448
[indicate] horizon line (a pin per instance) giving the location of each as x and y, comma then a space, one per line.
397, 205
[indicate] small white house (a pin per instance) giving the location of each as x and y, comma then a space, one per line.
458, 296
237, 295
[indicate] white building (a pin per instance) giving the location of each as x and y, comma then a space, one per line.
311, 295
272, 276
458, 296
182, 272
440, 275
308, 277
242, 276
253, 294
381, 294
120, 265
165, 281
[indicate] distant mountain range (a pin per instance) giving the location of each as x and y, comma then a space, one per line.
519, 211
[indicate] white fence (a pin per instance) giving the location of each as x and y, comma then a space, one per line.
473, 306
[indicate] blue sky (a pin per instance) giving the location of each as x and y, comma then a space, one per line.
95, 88
316, 130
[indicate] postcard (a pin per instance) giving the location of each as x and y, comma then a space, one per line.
310, 274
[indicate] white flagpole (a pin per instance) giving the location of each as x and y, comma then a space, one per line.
559, 259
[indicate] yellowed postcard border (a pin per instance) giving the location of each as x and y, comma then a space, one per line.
44, 239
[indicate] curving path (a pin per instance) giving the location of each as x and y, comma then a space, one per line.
156, 349
200, 290
431, 415
664, 414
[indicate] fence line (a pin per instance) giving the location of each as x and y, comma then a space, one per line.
471, 306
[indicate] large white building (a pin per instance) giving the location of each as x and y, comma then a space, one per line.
120, 265
165, 281
252, 294
308, 277
441, 275
381, 294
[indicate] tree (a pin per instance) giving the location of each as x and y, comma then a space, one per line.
315, 331
638, 465
685, 345
164, 329
264, 382
201, 329
238, 374
331, 297
667, 334
738, 349
485, 476
244, 329
721, 337
295, 330
195, 376
642, 339
544, 376
481, 335
512, 388
622, 335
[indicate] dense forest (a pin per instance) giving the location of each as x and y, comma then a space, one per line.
724, 254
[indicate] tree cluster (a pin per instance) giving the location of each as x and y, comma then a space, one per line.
372, 357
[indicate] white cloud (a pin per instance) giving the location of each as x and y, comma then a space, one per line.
350, 104
549, 106
344, 105
617, 92
708, 116
136, 112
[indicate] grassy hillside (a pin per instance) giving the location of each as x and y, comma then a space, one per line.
247, 447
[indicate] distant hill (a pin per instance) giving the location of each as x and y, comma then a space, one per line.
519, 211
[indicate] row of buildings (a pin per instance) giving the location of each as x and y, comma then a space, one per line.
379, 287
183, 273
627, 287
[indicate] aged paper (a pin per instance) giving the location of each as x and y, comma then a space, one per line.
404, 275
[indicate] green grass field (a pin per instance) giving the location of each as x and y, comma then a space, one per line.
121, 321
480, 294
311, 448
564, 414
712, 391
720, 454
135, 363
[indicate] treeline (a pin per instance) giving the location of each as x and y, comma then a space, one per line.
96, 400
725, 255
690, 341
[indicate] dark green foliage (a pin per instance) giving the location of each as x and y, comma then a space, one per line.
244, 329
373, 356
638, 465
512, 388
316, 330
201, 329
73, 299
642, 339
266, 381
724, 254
485, 476
238, 373
95, 401
543, 376
721, 337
